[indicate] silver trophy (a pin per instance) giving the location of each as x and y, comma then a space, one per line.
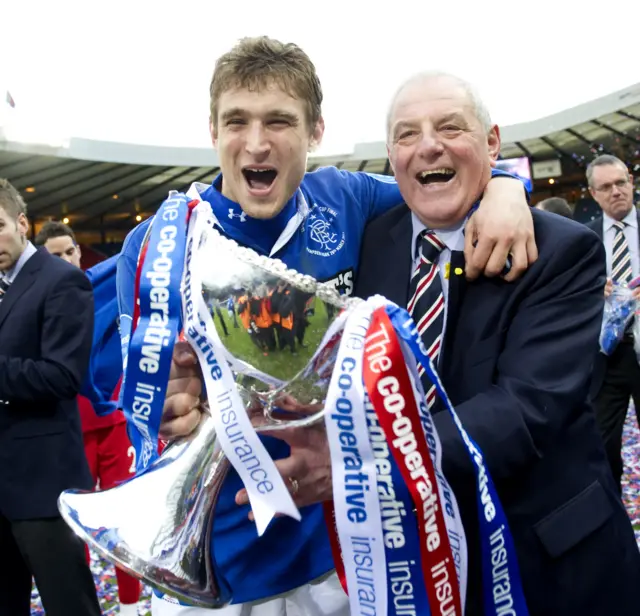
280, 331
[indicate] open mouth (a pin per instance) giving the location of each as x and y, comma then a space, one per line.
259, 178
435, 176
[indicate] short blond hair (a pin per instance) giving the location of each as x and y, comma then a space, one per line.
255, 63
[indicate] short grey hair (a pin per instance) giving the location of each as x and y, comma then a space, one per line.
601, 161
479, 108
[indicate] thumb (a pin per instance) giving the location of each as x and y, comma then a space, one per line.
184, 355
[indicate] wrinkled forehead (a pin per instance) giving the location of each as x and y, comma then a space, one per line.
607, 173
260, 97
427, 97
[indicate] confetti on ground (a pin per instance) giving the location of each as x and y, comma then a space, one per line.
105, 578
631, 477
107, 587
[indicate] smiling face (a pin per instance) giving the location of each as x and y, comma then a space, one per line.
439, 149
262, 137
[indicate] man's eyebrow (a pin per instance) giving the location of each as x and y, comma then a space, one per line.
285, 115
234, 111
275, 113
454, 115
402, 124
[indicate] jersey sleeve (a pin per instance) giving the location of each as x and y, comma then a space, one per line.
499, 173
376, 194
105, 365
373, 193
125, 287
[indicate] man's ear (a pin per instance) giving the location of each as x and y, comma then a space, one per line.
317, 135
390, 158
213, 131
22, 222
493, 143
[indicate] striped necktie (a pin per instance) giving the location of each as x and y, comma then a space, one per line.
4, 285
426, 305
621, 259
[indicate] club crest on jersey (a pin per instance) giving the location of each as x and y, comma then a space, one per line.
242, 216
325, 242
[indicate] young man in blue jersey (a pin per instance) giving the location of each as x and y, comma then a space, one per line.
265, 119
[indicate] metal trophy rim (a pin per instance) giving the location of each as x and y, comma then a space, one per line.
303, 282
277, 268
116, 560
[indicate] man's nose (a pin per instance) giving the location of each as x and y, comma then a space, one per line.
430, 145
257, 139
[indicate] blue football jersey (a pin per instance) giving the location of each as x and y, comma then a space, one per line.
332, 209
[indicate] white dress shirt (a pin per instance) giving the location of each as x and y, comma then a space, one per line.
27, 253
630, 232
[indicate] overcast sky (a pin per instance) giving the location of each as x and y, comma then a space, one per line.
138, 71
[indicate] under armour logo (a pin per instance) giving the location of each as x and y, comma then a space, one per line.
242, 216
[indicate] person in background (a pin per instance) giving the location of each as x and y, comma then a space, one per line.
46, 328
616, 378
106, 443
556, 205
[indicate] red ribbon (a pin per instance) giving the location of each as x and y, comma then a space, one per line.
387, 381
330, 520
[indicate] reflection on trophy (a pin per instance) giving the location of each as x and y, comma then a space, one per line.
157, 526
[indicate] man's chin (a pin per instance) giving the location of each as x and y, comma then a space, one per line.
440, 213
262, 210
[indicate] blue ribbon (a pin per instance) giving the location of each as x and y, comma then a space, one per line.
151, 346
501, 582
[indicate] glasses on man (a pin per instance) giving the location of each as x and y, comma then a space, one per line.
608, 187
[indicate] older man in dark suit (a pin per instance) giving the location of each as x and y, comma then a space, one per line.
515, 358
616, 378
46, 327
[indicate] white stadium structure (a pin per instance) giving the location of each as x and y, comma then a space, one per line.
103, 188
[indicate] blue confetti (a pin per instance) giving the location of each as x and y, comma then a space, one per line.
104, 573
104, 576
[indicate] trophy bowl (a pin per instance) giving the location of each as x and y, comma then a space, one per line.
280, 331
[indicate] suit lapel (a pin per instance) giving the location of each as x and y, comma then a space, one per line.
397, 277
455, 295
23, 281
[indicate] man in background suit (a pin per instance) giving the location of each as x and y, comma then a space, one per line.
46, 326
514, 358
107, 446
616, 378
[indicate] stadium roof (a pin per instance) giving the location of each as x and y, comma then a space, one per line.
101, 184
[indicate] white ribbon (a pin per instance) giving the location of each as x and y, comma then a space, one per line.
357, 509
238, 439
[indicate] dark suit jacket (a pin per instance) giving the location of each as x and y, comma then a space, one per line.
600, 364
46, 327
516, 363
